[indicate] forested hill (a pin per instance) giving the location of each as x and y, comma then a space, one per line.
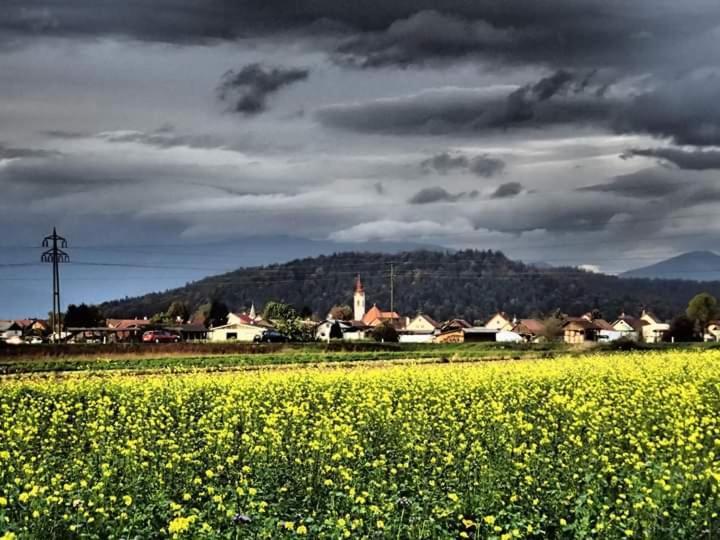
470, 284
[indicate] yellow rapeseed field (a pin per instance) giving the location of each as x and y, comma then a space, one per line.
608, 446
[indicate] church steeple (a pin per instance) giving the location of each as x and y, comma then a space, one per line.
359, 300
252, 313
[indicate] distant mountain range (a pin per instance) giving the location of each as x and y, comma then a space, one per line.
695, 265
469, 284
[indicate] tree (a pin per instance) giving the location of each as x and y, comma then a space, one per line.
178, 310
278, 311
341, 312
213, 313
552, 328
336, 331
385, 332
82, 316
682, 329
702, 309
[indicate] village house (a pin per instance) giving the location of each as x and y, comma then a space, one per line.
240, 327
629, 327
127, 329
531, 330
712, 331
655, 330
473, 334
585, 329
9, 329
421, 329
577, 330
501, 321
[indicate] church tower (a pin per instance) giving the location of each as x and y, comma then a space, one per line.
358, 300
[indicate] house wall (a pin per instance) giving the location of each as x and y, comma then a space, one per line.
235, 333
498, 322
654, 333
417, 338
419, 324
505, 336
610, 335
451, 337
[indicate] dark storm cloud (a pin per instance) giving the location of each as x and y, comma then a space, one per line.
644, 184
439, 194
684, 110
9, 152
446, 162
248, 89
561, 98
694, 160
510, 189
384, 32
423, 36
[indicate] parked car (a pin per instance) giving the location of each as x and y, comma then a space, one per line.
271, 336
15, 340
160, 336
35, 340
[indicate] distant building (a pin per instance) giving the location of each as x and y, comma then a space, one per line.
629, 327
655, 330
359, 300
500, 321
240, 327
712, 332
128, 329
421, 329
531, 330
9, 329
473, 334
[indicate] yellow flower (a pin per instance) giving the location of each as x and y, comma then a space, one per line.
490, 520
8, 536
380, 524
3, 501
453, 497
24, 497
301, 530
128, 500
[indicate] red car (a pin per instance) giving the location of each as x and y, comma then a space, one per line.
160, 336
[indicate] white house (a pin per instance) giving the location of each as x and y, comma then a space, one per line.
500, 321
351, 330
629, 327
712, 332
240, 327
655, 329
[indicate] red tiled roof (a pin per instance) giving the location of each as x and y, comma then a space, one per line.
534, 326
125, 324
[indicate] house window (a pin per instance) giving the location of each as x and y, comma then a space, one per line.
231, 336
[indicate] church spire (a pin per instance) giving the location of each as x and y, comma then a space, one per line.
252, 313
359, 300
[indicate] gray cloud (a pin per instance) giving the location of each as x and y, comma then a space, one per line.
423, 36
558, 32
644, 184
685, 111
561, 98
695, 160
438, 194
248, 89
509, 189
9, 152
446, 162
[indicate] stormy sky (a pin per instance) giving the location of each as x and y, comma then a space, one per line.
172, 139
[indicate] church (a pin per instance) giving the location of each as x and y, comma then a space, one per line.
374, 316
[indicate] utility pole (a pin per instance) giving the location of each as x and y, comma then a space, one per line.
392, 287
55, 255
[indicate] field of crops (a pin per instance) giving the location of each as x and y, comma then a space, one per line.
607, 446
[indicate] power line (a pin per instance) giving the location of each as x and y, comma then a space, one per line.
55, 255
